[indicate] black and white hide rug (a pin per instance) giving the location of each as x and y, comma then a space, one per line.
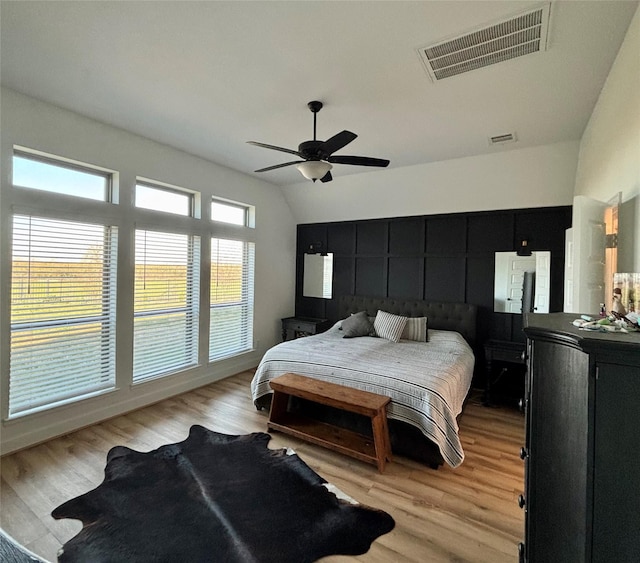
215, 497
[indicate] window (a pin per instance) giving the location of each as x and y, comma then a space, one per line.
229, 212
231, 322
39, 173
166, 303
63, 312
164, 199
65, 322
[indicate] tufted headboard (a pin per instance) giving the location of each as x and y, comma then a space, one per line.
460, 317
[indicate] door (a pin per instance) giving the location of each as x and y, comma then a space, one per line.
585, 260
509, 278
543, 282
518, 265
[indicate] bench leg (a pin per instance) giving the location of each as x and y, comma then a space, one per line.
381, 439
279, 404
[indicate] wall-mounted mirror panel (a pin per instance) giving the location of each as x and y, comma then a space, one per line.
522, 283
317, 277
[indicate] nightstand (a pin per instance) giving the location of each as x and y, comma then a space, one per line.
502, 352
303, 326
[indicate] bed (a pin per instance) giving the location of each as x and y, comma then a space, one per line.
427, 382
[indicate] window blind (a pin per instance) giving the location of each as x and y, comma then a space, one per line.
63, 310
166, 303
231, 319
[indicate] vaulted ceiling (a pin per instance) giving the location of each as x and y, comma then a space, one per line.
206, 77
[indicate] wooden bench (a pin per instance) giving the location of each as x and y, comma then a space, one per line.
333, 437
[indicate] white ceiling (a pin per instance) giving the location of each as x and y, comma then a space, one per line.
206, 77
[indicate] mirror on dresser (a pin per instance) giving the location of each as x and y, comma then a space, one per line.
522, 283
318, 275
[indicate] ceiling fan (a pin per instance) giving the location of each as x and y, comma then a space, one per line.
318, 155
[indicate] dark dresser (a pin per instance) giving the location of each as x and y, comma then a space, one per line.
582, 443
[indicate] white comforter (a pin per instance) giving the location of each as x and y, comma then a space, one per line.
427, 382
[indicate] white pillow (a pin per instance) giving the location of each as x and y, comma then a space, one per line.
416, 329
389, 326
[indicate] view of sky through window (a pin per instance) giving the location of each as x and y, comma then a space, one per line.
29, 173
159, 199
228, 213
57, 178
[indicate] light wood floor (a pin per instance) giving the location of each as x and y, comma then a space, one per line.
469, 514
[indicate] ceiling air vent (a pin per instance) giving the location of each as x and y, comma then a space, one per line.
502, 139
517, 36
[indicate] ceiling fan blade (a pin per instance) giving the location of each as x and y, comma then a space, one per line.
358, 160
273, 147
335, 143
327, 177
278, 166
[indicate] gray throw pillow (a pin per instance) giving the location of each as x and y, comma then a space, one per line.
357, 325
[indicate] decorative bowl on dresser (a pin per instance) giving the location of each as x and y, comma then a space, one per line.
582, 470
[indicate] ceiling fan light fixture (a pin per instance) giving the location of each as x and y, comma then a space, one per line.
314, 169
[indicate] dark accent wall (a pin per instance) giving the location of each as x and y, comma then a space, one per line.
434, 257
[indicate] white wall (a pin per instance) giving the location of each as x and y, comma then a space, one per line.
609, 159
31, 123
533, 177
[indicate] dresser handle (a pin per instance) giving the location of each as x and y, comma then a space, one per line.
521, 501
523, 453
521, 404
523, 356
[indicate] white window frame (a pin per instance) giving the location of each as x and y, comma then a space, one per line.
19, 402
119, 212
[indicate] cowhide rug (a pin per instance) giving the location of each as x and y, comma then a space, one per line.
215, 497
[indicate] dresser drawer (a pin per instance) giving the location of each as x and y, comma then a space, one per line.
302, 326
511, 356
504, 351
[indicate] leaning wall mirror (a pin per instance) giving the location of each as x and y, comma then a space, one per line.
522, 283
317, 275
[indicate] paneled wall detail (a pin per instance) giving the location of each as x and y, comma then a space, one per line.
434, 257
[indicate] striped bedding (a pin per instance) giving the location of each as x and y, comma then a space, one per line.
427, 381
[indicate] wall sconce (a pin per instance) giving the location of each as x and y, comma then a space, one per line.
523, 247
315, 248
